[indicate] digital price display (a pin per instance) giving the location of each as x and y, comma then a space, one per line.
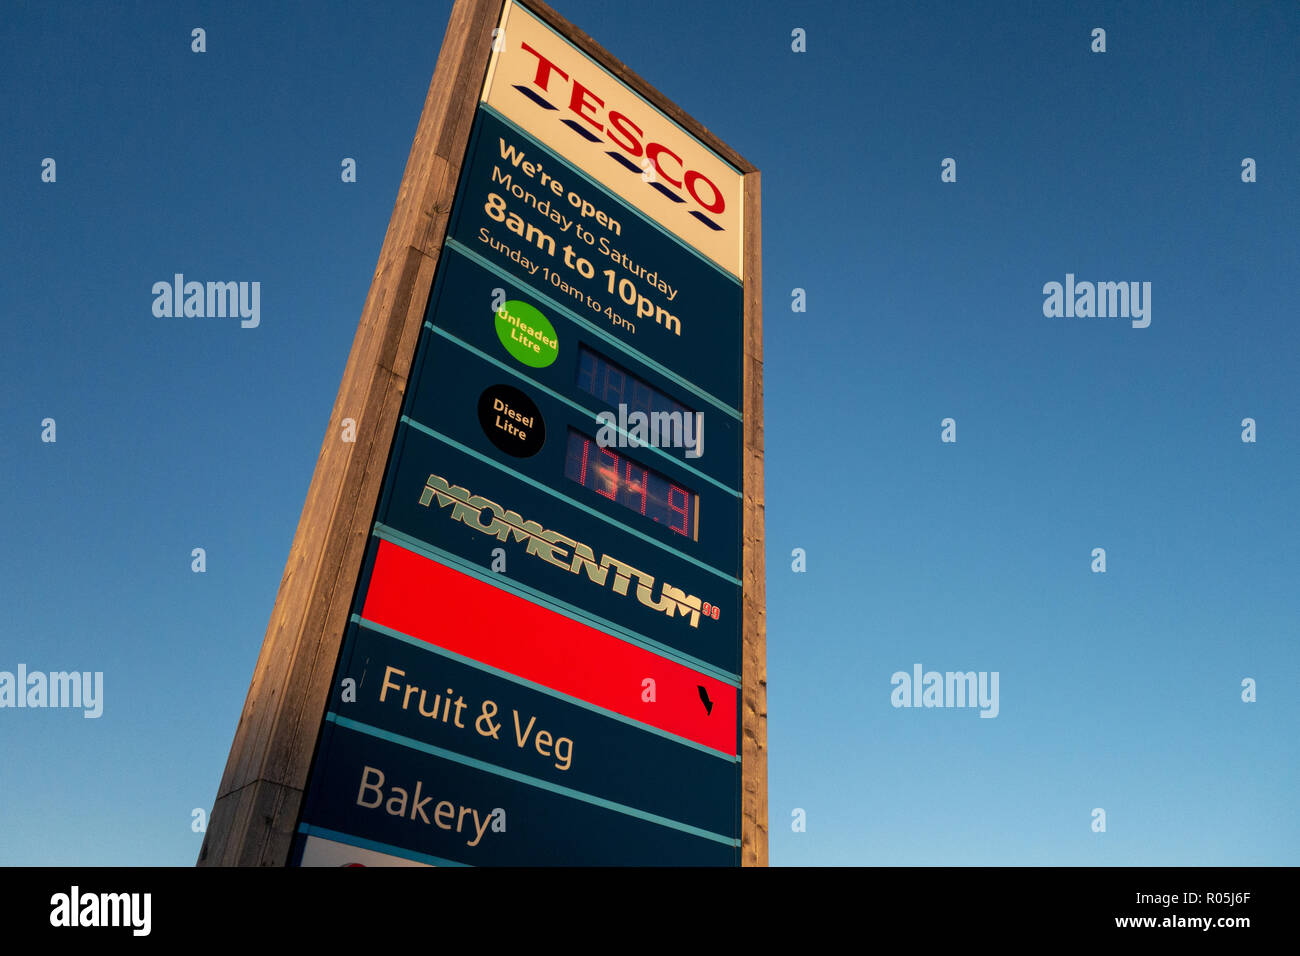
599, 377
631, 484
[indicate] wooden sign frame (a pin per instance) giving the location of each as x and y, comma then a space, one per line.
261, 791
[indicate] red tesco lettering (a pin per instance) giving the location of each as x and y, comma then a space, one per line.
627, 135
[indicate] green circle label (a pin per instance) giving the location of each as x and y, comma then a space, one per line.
526, 334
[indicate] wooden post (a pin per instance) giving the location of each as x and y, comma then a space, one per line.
753, 753
266, 774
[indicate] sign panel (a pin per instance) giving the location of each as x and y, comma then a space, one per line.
543, 660
582, 112
600, 260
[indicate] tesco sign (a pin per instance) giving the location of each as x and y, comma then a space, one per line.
621, 130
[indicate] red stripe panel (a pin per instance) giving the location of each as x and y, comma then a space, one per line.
424, 599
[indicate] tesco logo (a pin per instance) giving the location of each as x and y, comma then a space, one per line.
620, 130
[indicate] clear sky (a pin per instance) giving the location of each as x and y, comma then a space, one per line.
1120, 691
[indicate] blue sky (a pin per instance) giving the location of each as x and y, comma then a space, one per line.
1118, 690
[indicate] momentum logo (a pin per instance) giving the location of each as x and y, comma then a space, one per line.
551, 547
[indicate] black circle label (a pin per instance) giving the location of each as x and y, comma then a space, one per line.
511, 420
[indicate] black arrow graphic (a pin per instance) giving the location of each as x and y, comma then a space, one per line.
704, 698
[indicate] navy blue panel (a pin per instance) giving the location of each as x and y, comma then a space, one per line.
541, 827
605, 756
703, 342
689, 343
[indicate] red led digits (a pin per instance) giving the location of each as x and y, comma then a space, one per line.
645, 474
582, 473
616, 477
612, 494
684, 510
